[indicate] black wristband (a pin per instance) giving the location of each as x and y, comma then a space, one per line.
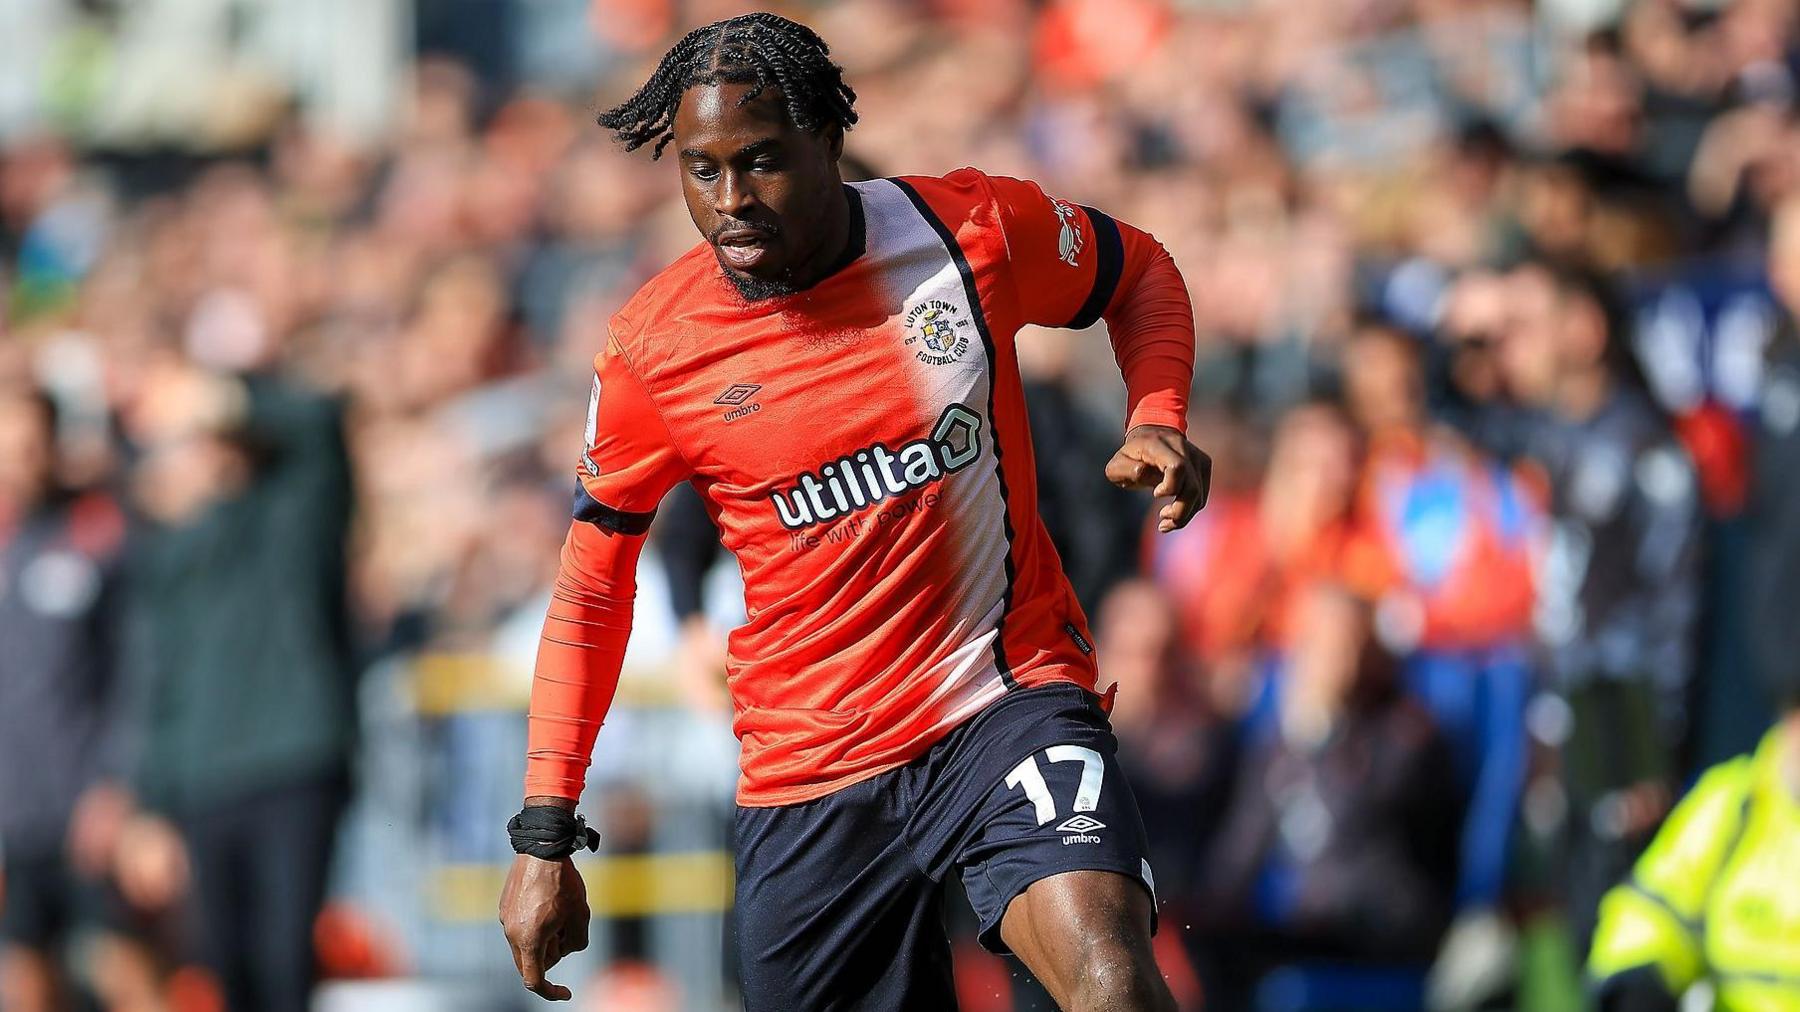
550, 832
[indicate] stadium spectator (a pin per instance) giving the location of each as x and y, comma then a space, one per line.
61, 682
1721, 859
1267, 533
1467, 381
1617, 604
1445, 540
248, 713
1443, 532
1724, 857
1711, 896
1174, 746
1339, 841
1094, 526
1775, 497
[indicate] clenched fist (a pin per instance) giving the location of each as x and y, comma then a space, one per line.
1161, 459
544, 912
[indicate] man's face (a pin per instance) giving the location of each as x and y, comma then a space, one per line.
1311, 477
1332, 639
1381, 381
1528, 352
758, 188
1784, 255
27, 450
1474, 321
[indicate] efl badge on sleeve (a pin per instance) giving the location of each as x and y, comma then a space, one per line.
591, 434
1068, 241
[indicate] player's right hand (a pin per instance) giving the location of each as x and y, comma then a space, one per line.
1161, 459
544, 912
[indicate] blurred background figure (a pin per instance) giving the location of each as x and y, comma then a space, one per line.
1270, 529
1774, 511
1095, 527
1339, 840
1723, 860
1445, 531
1175, 747
61, 685
247, 718
1617, 611
1446, 541
1470, 388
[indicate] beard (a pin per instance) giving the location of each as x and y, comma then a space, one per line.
755, 289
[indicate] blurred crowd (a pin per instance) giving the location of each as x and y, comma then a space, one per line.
1497, 367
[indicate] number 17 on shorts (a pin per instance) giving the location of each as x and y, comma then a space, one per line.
1080, 826
1076, 812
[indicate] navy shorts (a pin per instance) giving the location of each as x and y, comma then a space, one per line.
840, 899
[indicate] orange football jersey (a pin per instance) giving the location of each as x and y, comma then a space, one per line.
862, 446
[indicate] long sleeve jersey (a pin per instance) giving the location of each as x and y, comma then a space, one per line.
862, 446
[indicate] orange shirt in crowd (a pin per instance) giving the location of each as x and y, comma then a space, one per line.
1451, 531
1232, 588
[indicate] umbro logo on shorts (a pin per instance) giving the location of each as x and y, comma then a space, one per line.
1080, 829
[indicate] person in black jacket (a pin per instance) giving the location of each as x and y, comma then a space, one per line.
60, 684
1775, 494
1339, 841
1619, 587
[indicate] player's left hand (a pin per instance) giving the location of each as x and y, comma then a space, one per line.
544, 912
1161, 459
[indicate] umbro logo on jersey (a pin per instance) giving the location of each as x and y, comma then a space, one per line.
734, 397
1080, 829
737, 393
860, 480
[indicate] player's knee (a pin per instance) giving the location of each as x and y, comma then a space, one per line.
1114, 977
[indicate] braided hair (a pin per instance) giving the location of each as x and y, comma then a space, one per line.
762, 50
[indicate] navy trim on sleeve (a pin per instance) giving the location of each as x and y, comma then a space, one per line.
591, 510
1109, 250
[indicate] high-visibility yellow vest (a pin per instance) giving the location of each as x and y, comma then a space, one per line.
1717, 895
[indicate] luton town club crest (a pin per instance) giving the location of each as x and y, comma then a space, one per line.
938, 331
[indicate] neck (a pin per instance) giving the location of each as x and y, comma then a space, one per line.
1581, 394
1307, 717
834, 237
